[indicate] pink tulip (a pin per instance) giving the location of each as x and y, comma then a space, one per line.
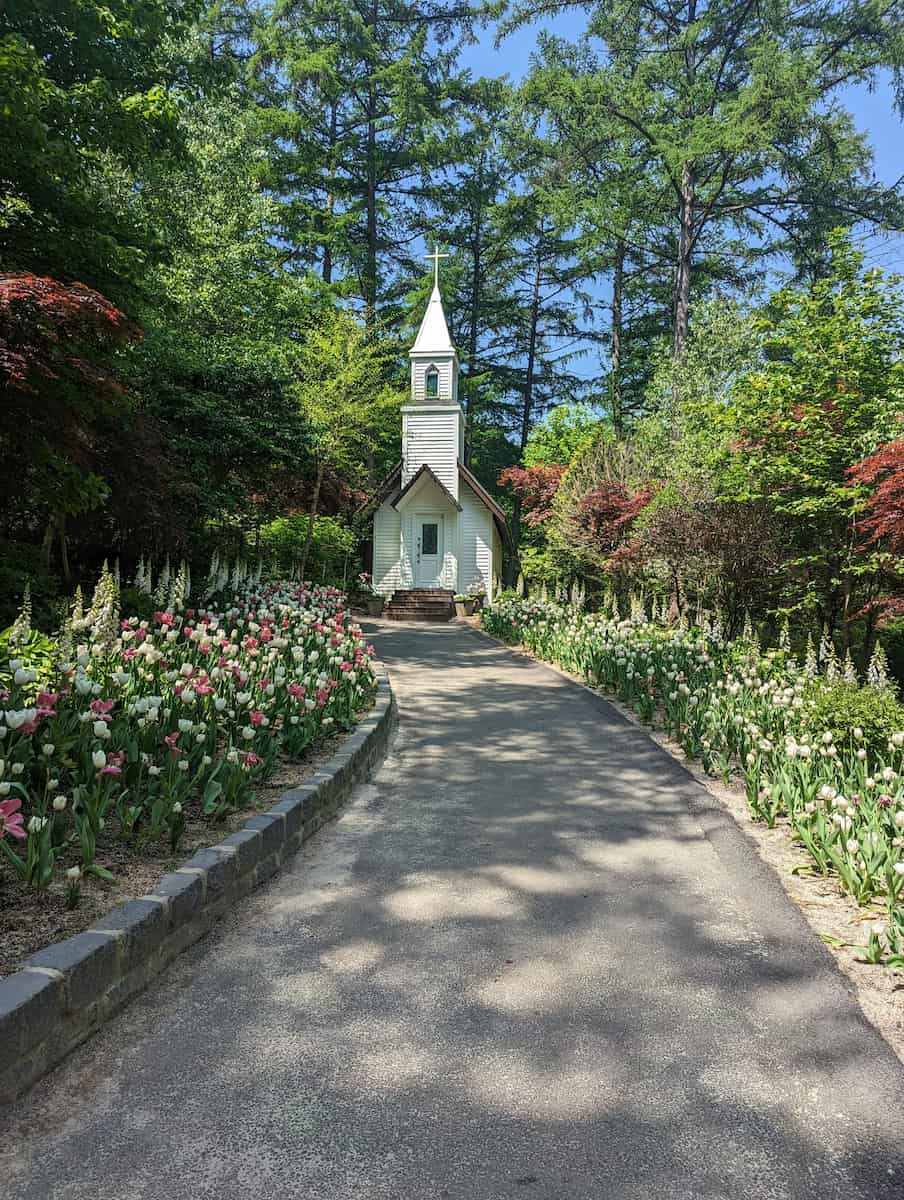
11, 819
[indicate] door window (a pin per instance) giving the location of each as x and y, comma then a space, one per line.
429, 538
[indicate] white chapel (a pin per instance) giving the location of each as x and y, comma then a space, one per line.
435, 527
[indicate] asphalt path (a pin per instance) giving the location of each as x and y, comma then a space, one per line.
531, 959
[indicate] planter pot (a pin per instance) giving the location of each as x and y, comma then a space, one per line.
461, 608
375, 606
470, 605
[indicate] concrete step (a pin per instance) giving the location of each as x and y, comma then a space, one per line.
421, 604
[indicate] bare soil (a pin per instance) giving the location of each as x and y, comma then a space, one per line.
30, 920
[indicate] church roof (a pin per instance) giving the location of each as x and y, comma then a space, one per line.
433, 335
483, 495
383, 491
424, 472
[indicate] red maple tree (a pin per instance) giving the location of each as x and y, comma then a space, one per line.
884, 472
52, 332
605, 514
536, 487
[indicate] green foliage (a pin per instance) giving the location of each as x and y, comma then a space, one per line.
332, 546
88, 98
36, 652
22, 565
250, 186
841, 708
562, 433
362, 96
348, 396
137, 603
830, 389
681, 436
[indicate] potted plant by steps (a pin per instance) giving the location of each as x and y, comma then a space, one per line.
365, 595
464, 605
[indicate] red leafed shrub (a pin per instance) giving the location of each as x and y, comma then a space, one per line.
51, 331
884, 472
536, 487
604, 515
626, 559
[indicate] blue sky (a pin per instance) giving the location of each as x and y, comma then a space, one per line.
873, 112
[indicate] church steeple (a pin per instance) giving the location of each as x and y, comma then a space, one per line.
433, 335
434, 362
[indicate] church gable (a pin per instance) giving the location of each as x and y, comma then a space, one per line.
425, 487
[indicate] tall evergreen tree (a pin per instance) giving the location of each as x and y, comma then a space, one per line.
727, 98
364, 91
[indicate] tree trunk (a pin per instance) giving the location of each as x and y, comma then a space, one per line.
473, 330
309, 535
327, 266
47, 540
527, 407
618, 276
370, 200
64, 548
682, 302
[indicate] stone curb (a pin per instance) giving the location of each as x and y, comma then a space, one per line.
69, 989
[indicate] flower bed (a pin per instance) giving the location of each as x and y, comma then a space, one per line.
814, 749
127, 727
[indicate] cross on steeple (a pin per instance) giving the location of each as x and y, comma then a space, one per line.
434, 258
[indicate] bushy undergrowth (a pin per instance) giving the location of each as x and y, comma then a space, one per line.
856, 717
819, 753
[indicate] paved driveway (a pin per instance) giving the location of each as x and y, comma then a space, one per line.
530, 960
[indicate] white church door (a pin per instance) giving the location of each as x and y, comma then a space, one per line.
428, 557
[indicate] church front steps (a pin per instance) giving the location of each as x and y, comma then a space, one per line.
420, 604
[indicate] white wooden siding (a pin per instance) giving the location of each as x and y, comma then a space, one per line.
449, 575
447, 380
431, 437
387, 549
476, 541
406, 564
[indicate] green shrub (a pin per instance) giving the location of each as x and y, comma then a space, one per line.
36, 652
840, 708
332, 545
135, 603
892, 638
21, 564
